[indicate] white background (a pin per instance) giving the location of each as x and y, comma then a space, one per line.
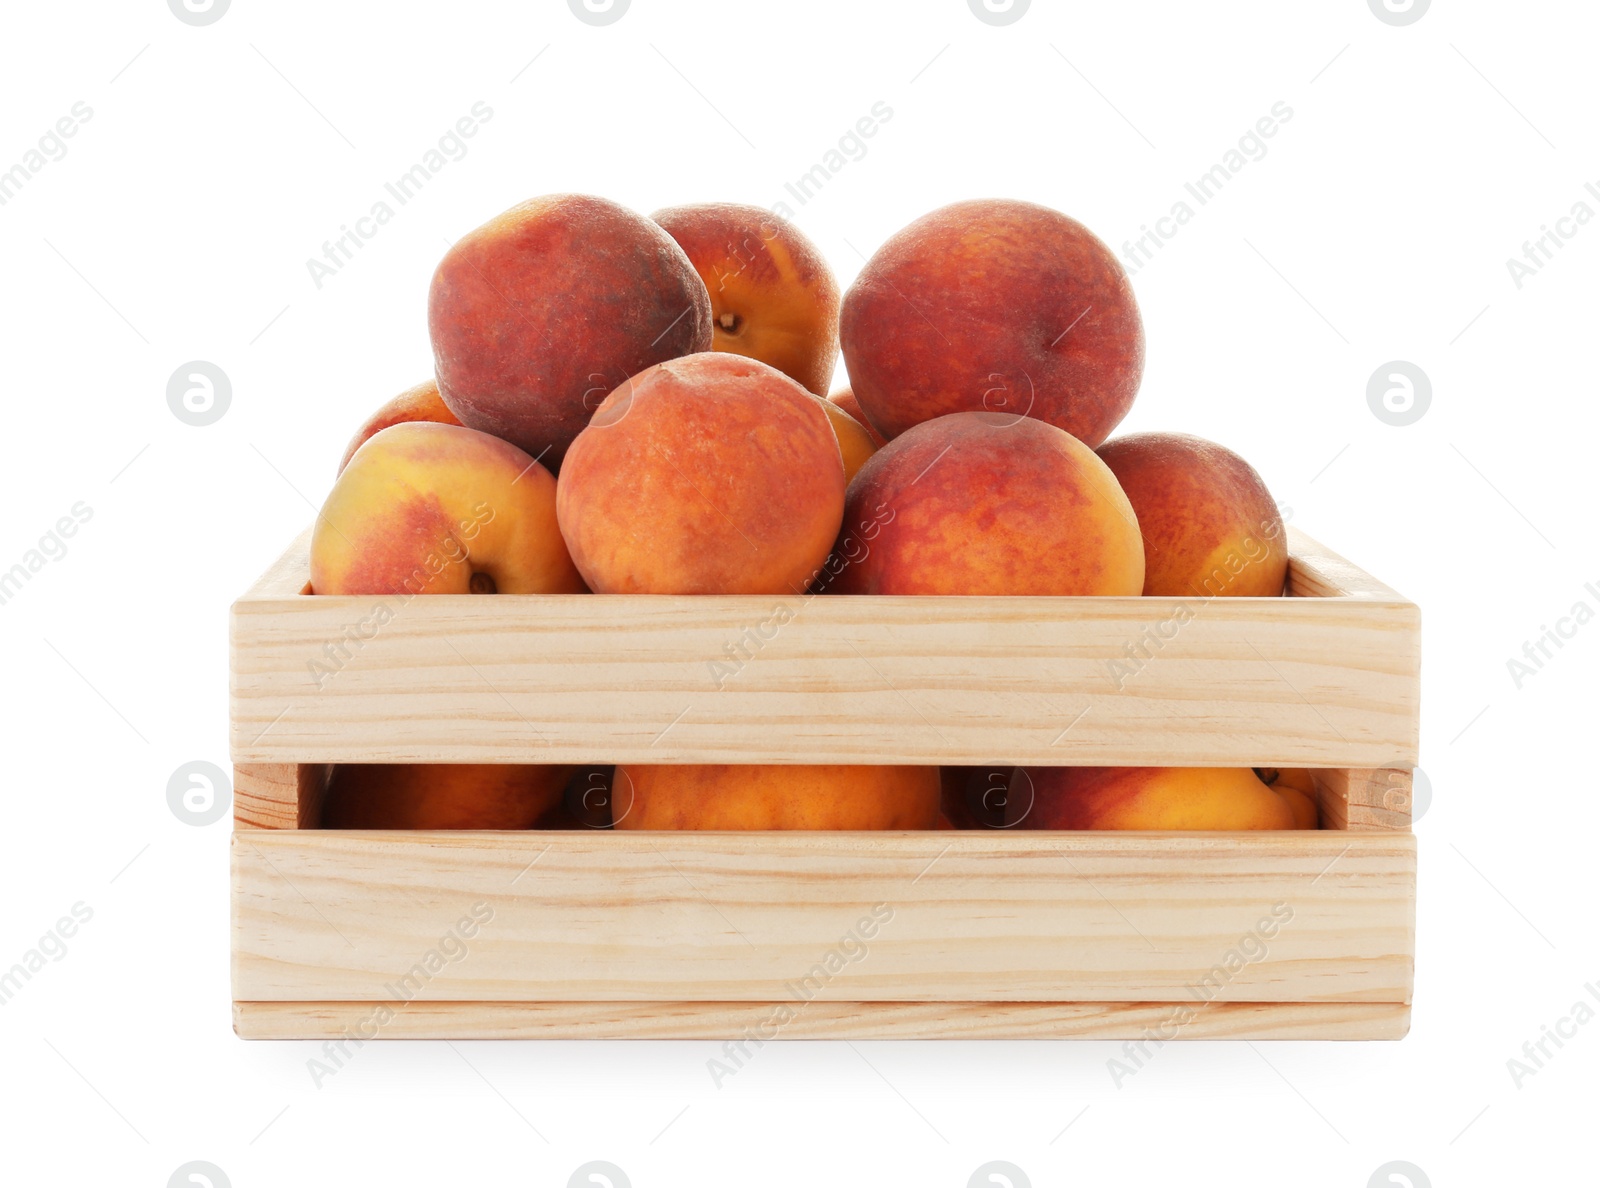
1377, 227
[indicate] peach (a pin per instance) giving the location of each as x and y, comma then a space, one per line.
780, 796
421, 403
995, 306
1210, 526
544, 309
1302, 806
855, 439
773, 297
985, 503
441, 796
711, 474
846, 399
424, 508
1298, 789
1151, 798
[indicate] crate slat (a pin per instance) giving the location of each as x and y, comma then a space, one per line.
753, 1022
1323, 681
1042, 917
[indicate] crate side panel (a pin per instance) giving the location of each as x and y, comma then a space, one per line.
324, 916
1302, 682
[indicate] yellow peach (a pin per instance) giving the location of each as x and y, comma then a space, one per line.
426, 508
776, 796
1175, 798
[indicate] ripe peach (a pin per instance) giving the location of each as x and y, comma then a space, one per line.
424, 508
1298, 789
846, 399
985, 503
421, 403
441, 796
711, 474
1151, 798
994, 306
773, 297
855, 439
1210, 526
779, 796
541, 311
1303, 807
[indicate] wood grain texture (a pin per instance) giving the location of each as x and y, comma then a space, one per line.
671, 917
1316, 571
1311, 681
289, 576
819, 1020
278, 795
1364, 798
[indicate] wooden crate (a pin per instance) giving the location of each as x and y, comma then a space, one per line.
717, 935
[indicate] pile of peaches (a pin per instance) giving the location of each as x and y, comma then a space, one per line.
623, 405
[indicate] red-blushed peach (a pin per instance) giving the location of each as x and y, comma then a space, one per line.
544, 309
421, 403
776, 796
1177, 798
424, 508
442, 795
855, 439
986, 503
995, 306
846, 399
710, 474
773, 296
1211, 528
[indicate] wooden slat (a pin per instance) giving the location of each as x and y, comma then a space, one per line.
1311, 682
287, 577
673, 917
1316, 571
819, 1020
1364, 798
278, 795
